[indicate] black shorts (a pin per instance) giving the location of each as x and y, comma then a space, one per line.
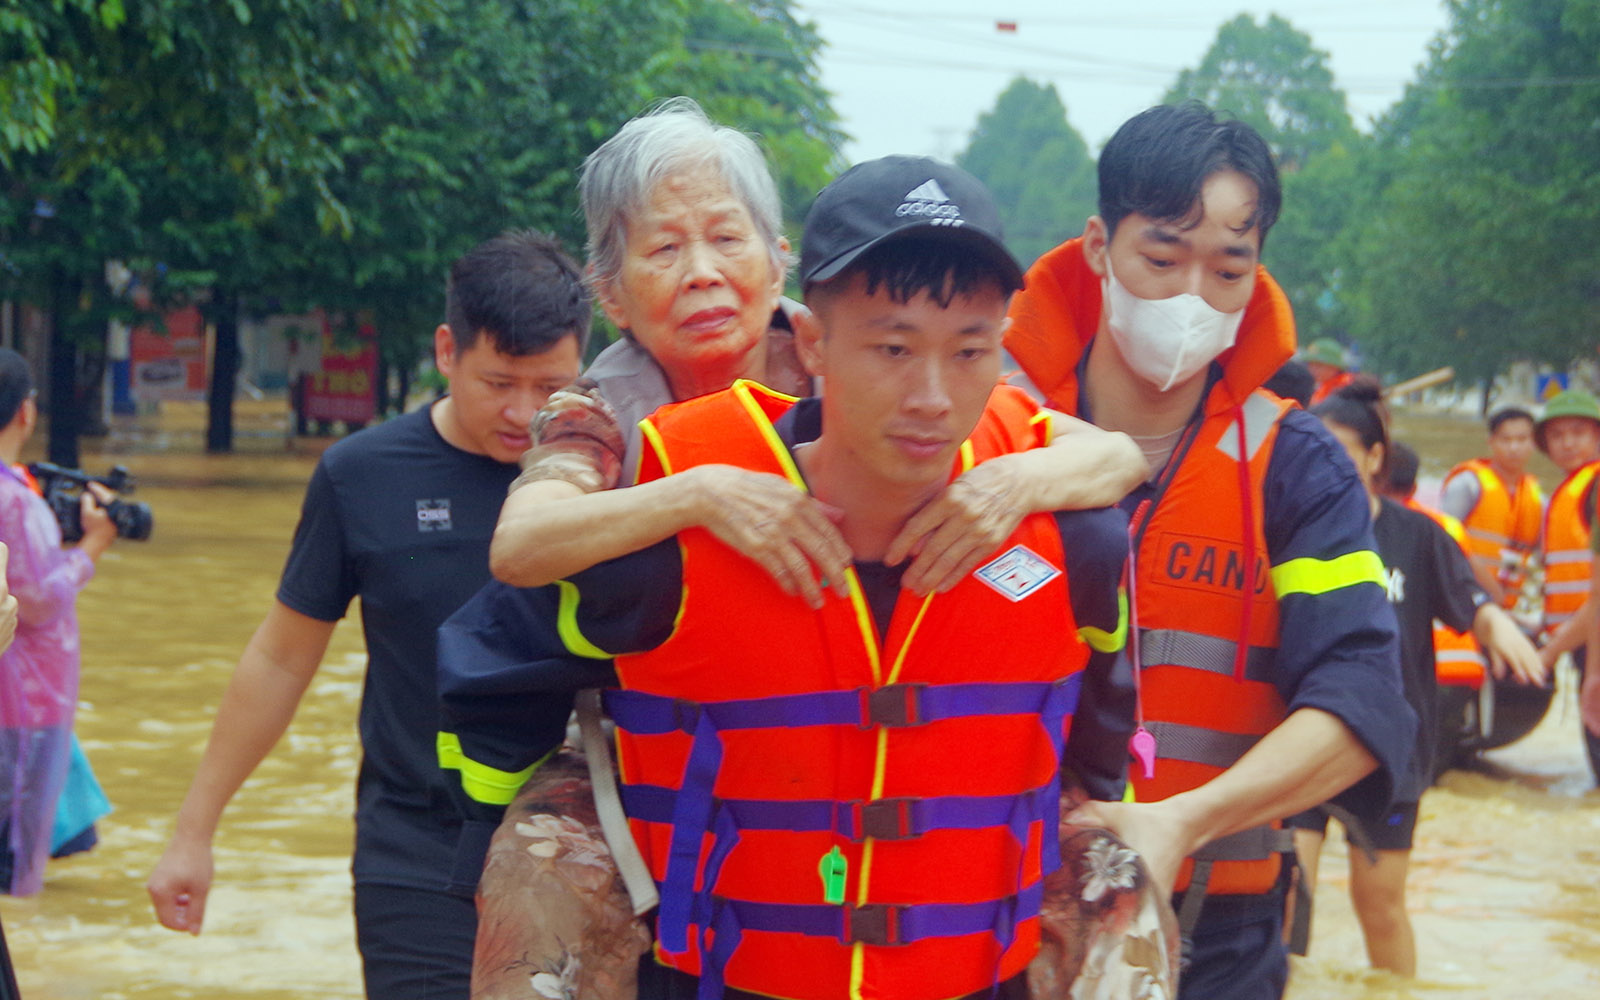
1395, 830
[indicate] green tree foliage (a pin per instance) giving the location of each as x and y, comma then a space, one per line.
37, 52
1037, 166
1271, 76
754, 66
1477, 252
286, 153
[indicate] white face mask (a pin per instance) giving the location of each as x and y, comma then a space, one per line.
1167, 341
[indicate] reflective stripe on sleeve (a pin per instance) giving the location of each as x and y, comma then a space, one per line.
483, 783
1319, 576
567, 624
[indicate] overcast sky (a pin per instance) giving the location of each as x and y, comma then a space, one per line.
912, 76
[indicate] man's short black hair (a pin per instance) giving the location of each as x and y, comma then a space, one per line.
1292, 381
1158, 161
522, 291
1505, 413
16, 384
1401, 480
907, 267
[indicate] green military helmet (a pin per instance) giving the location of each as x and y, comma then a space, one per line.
1567, 403
1327, 351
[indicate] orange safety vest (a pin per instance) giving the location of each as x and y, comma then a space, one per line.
1502, 529
1331, 385
1457, 659
1205, 705
1566, 548
1191, 554
830, 816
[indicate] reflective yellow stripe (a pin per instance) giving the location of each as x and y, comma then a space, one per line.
967, 457
653, 436
1102, 641
481, 782
1319, 576
758, 416
1043, 416
567, 624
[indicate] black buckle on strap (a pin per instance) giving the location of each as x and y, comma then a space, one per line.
894, 705
877, 924
885, 819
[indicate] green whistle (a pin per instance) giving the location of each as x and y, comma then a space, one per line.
833, 868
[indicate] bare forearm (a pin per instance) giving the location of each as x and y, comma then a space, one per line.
549, 529
1084, 466
1308, 759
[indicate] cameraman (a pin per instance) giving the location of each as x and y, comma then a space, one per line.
39, 673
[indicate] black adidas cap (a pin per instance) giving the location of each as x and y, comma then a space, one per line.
897, 197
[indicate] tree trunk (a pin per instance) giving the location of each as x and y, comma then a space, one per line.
405, 388
380, 389
224, 371
63, 373
1486, 387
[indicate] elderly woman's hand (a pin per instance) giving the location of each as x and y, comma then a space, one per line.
787, 531
953, 532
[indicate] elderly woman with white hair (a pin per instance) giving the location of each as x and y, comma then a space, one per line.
687, 258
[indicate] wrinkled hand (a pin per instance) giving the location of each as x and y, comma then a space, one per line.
8, 603
179, 885
790, 533
957, 529
1151, 828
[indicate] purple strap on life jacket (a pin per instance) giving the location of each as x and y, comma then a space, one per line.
883, 819
695, 810
893, 705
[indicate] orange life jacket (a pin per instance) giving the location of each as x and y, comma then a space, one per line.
1457, 660
830, 816
1192, 552
1502, 529
1331, 385
28, 478
1566, 548
1203, 703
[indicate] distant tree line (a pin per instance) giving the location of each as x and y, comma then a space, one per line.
1459, 231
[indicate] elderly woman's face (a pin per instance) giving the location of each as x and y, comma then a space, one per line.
697, 284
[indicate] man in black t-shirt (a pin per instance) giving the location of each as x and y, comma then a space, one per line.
400, 516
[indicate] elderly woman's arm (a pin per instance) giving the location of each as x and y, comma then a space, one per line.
550, 528
1083, 467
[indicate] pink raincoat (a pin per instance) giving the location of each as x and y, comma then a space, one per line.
38, 678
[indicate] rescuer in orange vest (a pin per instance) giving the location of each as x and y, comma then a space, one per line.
1569, 432
1500, 504
862, 799
1266, 647
1328, 364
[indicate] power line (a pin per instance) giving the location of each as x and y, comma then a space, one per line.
1141, 23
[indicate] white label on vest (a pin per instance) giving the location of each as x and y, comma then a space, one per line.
1018, 572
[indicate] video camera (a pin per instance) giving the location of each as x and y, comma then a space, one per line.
62, 489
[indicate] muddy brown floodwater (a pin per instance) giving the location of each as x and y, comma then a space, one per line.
1506, 873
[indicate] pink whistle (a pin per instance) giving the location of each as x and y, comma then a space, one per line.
1143, 746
